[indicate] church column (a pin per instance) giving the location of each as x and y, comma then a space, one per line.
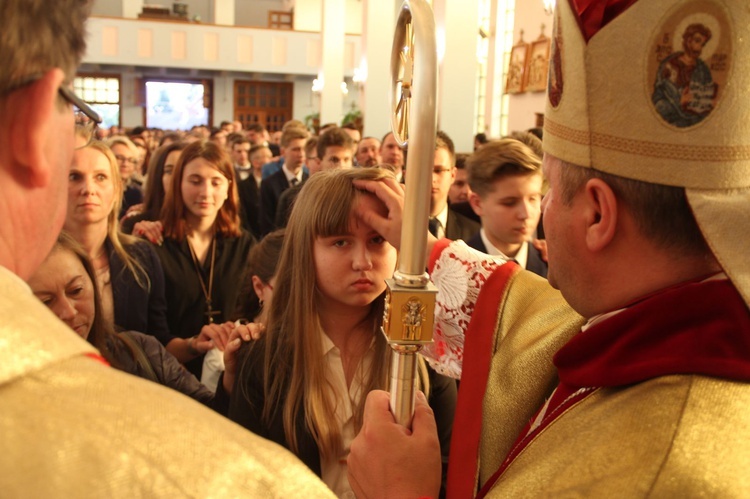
378, 23
224, 12
457, 31
131, 8
332, 34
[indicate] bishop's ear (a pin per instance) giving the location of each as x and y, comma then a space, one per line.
600, 214
37, 121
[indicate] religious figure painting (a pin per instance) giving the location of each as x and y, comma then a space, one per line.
691, 67
537, 65
515, 82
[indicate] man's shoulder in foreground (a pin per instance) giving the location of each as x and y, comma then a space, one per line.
93, 431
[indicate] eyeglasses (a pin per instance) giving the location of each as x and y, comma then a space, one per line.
121, 159
86, 119
440, 171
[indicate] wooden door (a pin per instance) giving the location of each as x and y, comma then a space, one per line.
264, 102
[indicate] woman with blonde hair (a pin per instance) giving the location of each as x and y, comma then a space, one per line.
126, 153
303, 385
128, 272
203, 253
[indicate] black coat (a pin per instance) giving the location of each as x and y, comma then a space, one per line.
460, 227
139, 308
186, 303
247, 405
270, 191
249, 193
534, 262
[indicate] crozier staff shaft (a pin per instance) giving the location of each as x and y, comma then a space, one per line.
410, 301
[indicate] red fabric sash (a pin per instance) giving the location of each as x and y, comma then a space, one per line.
467, 423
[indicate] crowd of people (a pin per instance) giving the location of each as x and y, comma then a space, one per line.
591, 305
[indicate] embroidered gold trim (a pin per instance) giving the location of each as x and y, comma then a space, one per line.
707, 154
566, 133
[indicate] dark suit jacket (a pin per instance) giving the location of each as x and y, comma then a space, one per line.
249, 205
139, 308
246, 407
286, 203
534, 263
460, 227
464, 208
270, 192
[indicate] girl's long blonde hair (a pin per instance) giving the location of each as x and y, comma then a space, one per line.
294, 370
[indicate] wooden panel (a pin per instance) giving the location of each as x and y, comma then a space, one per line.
179, 45
313, 54
245, 49
145, 43
278, 51
211, 47
110, 36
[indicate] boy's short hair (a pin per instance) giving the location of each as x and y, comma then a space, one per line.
311, 146
498, 159
461, 160
255, 148
255, 127
531, 140
333, 137
292, 133
236, 138
443, 141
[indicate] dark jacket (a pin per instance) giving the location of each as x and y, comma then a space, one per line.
460, 227
285, 205
270, 191
186, 302
247, 401
168, 370
139, 308
534, 262
249, 193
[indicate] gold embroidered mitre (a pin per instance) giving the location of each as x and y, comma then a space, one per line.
656, 91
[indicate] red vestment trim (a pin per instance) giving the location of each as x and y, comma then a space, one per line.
440, 245
467, 422
97, 357
593, 15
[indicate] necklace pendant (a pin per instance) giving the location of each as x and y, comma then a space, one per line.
210, 313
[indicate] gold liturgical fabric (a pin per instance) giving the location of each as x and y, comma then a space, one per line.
73, 427
678, 451
534, 322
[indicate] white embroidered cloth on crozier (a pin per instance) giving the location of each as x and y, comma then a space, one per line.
459, 274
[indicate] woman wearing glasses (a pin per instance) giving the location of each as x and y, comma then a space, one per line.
126, 154
128, 272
